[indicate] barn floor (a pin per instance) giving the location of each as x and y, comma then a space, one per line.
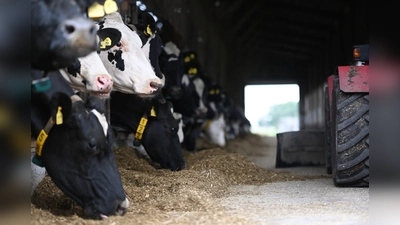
234, 185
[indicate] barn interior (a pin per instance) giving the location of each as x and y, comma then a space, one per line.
265, 42
238, 43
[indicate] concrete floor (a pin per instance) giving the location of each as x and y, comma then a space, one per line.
299, 202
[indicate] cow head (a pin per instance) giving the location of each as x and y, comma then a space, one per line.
85, 169
88, 74
77, 152
125, 60
60, 34
161, 138
172, 67
194, 96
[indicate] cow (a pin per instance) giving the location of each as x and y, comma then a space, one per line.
214, 125
74, 144
186, 89
192, 106
236, 122
122, 55
154, 125
89, 75
171, 65
60, 33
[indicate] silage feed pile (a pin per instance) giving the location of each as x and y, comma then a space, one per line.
159, 196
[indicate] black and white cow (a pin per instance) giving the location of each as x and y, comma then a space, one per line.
214, 125
193, 107
74, 144
89, 75
123, 57
236, 122
186, 89
154, 125
171, 66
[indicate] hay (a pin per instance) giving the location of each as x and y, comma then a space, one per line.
160, 196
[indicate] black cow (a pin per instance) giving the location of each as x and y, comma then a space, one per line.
157, 132
77, 152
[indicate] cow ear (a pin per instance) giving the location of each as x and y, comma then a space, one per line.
60, 107
75, 68
96, 103
109, 37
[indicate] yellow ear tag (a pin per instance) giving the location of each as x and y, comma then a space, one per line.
153, 112
187, 59
59, 116
217, 91
148, 30
212, 92
192, 56
95, 11
110, 6
40, 142
192, 71
105, 42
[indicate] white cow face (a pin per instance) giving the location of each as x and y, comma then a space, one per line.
215, 130
125, 60
89, 75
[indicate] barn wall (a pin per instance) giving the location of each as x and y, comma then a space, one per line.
202, 29
336, 51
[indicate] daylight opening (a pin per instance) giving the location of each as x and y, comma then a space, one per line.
272, 108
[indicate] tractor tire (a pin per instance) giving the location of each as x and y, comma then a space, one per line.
328, 134
350, 138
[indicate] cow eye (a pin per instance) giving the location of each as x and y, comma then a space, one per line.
119, 44
173, 129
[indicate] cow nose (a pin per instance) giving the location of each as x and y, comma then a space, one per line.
81, 31
155, 86
123, 207
104, 83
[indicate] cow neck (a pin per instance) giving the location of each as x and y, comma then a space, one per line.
142, 126
44, 133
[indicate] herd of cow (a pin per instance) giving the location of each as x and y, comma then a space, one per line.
157, 94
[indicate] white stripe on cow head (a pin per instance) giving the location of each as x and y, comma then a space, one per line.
178, 116
102, 120
199, 86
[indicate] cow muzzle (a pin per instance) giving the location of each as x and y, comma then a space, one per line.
81, 35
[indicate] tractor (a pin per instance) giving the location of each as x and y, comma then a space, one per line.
347, 122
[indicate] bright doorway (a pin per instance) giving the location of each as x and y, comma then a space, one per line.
272, 108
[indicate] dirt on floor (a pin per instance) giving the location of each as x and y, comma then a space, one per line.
159, 196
